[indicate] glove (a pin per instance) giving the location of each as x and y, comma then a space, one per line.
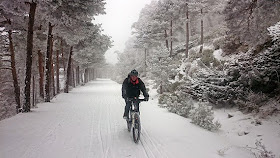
146, 98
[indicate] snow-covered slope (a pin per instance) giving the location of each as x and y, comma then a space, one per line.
87, 122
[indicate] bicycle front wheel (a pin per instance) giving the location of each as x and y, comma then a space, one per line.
128, 125
136, 130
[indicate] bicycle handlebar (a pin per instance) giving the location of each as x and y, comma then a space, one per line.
136, 99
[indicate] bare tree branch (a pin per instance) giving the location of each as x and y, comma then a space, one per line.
5, 68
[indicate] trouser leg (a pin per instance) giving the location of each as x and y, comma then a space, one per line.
127, 107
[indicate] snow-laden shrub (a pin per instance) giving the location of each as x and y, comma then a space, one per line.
274, 32
168, 86
178, 102
163, 98
253, 102
193, 54
232, 44
192, 69
208, 58
162, 86
203, 117
260, 150
186, 104
173, 106
172, 103
219, 42
173, 87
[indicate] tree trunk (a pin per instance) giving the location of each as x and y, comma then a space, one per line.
14, 71
29, 55
201, 38
66, 90
86, 75
160, 88
48, 64
78, 75
171, 35
83, 77
33, 92
145, 69
73, 77
89, 74
94, 74
166, 40
187, 31
62, 56
57, 72
52, 71
41, 73
52, 68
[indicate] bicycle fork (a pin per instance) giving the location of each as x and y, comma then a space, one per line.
134, 119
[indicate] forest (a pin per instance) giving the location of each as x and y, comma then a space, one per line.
208, 63
208, 54
47, 47
204, 54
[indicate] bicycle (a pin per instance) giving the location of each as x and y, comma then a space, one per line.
134, 120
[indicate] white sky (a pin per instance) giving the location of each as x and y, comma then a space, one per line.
121, 14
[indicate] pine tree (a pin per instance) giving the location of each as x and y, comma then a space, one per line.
248, 21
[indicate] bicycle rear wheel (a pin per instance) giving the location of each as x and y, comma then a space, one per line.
136, 130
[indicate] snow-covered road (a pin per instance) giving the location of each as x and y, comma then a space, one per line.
88, 123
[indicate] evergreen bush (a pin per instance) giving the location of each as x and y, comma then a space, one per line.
203, 117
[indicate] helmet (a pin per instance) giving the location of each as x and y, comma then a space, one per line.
133, 73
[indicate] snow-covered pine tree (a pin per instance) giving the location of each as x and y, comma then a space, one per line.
66, 17
248, 21
203, 117
12, 22
91, 50
162, 68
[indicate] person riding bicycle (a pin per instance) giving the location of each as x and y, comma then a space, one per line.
131, 88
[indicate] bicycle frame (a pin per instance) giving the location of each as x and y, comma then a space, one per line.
134, 120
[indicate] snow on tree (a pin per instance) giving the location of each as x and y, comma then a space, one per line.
13, 22
274, 32
90, 51
161, 68
248, 21
65, 17
203, 117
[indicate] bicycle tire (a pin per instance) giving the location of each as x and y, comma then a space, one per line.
128, 125
136, 130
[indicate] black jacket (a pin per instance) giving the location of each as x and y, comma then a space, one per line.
129, 90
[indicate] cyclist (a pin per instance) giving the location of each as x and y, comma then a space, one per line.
131, 88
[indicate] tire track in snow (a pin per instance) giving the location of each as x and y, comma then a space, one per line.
109, 126
48, 138
91, 134
151, 145
99, 130
144, 145
148, 151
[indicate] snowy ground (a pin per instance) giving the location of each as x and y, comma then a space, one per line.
87, 122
